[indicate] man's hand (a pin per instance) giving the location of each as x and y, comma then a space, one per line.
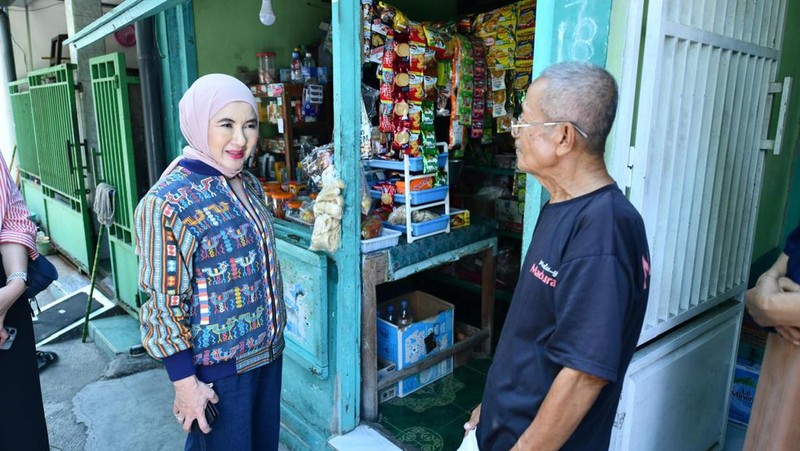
788, 285
191, 397
473, 420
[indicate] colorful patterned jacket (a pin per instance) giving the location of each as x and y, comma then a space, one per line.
215, 303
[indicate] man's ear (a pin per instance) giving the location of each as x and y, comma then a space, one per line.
566, 136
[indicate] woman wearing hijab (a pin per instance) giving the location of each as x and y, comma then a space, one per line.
23, 425
207, 259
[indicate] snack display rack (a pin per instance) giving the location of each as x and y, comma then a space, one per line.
420, 200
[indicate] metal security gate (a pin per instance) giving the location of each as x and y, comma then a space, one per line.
695, 160
27, 155
62, 164
23, 127
117, 166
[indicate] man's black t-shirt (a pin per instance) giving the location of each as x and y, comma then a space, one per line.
579, 303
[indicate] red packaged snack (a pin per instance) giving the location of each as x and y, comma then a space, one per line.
416, 34
417, 60
416, 88
385, 118
386, 92
415, 118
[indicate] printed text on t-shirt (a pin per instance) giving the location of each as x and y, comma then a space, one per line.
544, 273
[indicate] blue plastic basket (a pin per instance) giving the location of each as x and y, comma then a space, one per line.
417, 197
414, 163
422, 228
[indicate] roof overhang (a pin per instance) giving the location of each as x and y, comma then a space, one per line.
124, 14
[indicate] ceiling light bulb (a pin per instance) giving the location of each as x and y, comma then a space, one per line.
266, 15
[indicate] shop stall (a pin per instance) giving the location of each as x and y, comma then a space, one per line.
371, 158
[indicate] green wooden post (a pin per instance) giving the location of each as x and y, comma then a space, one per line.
347, 125
565, 31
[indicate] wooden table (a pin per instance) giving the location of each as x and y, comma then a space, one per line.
375, 271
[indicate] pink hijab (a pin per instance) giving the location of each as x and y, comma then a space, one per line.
207, 95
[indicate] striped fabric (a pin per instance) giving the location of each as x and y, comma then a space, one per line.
210, 272
15, 225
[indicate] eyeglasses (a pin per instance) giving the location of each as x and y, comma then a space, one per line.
518, 124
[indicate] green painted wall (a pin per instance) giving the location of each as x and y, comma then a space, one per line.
229, 33
779, 210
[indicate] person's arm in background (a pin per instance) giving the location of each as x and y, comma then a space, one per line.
775, 301
165, 277
17, 243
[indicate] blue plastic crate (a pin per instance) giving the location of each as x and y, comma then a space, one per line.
417, 197
414, 163
422, 228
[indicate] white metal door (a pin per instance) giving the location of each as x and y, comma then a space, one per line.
694, 162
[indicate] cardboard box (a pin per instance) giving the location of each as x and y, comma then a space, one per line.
389, 392
430, 333
743, 391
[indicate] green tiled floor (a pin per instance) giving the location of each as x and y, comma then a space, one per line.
432, 418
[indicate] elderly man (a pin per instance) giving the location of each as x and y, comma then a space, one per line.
578, 308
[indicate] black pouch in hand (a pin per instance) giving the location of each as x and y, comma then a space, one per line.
211, 415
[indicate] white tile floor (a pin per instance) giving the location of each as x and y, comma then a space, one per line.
364, 438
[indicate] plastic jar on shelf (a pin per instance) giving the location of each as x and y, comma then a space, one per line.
279, 200
266, 67
293, 208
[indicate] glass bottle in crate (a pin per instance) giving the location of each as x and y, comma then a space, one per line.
390, 315
405, 318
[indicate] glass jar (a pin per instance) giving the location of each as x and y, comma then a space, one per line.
293, 208
279, 201
266, 68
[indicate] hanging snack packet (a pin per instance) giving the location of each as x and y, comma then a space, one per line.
522, 78
435, 41
479, 99
526, 15
430, 160
466, 76
414, 118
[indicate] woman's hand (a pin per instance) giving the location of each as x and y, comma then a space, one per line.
473, 420
8, 295
757, 298
191, 397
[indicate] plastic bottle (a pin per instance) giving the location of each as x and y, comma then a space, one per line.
297, 67
271, 167
405, 315
390, 316
309, 69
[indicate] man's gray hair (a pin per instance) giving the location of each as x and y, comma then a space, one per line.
583, 94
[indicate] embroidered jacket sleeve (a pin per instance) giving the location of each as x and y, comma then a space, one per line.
165, 248
15, 225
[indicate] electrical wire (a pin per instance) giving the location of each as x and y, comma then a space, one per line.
24, 53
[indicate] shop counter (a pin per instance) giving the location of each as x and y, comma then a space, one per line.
404, 260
